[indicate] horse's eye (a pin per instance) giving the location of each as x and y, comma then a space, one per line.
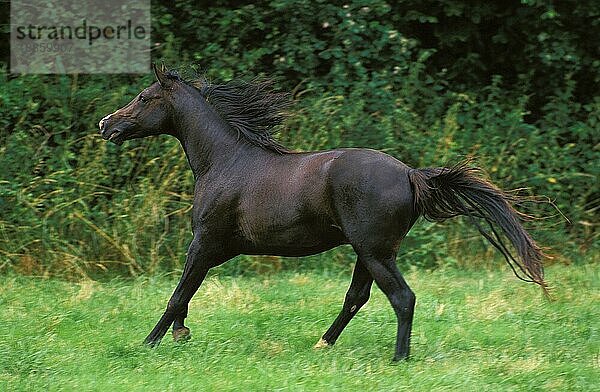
143, 99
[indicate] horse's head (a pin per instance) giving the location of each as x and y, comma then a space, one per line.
149, 113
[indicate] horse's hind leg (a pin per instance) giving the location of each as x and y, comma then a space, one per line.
357, 295
390, 281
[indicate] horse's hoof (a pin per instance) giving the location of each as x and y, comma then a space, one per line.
322, 343
181, 335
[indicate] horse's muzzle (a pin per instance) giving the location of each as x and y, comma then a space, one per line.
103, 122
110, 134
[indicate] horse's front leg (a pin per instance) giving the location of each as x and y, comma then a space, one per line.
197, 264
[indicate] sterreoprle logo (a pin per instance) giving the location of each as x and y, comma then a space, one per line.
86, 36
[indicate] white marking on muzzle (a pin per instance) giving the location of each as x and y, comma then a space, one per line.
104, 119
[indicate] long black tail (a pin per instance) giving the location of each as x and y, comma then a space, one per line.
442, 193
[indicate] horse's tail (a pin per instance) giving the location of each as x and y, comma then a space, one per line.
442, 193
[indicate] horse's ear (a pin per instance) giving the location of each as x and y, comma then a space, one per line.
160, 75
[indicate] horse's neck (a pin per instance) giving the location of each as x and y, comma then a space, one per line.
209, 144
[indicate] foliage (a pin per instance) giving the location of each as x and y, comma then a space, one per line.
473, 330
513, 84
532, 44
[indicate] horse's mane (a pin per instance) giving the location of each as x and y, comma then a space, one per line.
252, 108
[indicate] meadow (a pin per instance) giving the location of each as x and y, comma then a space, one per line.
88, 229
474, 330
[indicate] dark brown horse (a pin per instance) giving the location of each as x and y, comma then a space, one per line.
253, 196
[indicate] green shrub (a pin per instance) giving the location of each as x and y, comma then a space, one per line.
422, 81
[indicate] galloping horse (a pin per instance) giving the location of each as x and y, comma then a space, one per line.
253, 196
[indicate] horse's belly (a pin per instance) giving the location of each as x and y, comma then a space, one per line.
294, 241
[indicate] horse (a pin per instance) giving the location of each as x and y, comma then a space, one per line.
253, 196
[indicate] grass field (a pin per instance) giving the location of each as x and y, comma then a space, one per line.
473, 331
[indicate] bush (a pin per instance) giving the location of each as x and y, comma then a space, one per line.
423, 81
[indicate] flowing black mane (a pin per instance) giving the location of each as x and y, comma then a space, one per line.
252, 108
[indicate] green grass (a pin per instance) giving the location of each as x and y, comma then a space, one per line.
473, 330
